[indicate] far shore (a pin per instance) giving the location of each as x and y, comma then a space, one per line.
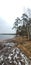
7, 33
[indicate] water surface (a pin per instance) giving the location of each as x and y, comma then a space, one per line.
3, 37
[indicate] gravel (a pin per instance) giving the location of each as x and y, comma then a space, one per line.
13, 56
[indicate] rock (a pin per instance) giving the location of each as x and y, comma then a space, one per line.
13, 56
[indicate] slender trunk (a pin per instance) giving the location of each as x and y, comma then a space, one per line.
28, 32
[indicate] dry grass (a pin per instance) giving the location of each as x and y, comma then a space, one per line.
24, 44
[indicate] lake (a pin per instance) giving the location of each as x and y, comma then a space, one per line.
3, 37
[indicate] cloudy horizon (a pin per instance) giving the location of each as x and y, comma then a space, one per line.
9, 11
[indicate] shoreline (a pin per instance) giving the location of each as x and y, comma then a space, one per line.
22, 43
8, 40
15, 39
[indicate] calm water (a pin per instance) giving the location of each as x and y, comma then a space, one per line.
2, 37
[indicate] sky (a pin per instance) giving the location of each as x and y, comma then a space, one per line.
9, 11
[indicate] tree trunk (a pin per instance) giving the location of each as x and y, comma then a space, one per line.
28, 32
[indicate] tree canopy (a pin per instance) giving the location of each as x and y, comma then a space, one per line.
26, 22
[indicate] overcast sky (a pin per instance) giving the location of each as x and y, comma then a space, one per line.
9, 10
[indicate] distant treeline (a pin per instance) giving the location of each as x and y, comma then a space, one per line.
7, 33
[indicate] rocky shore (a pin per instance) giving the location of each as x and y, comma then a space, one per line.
10, 54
